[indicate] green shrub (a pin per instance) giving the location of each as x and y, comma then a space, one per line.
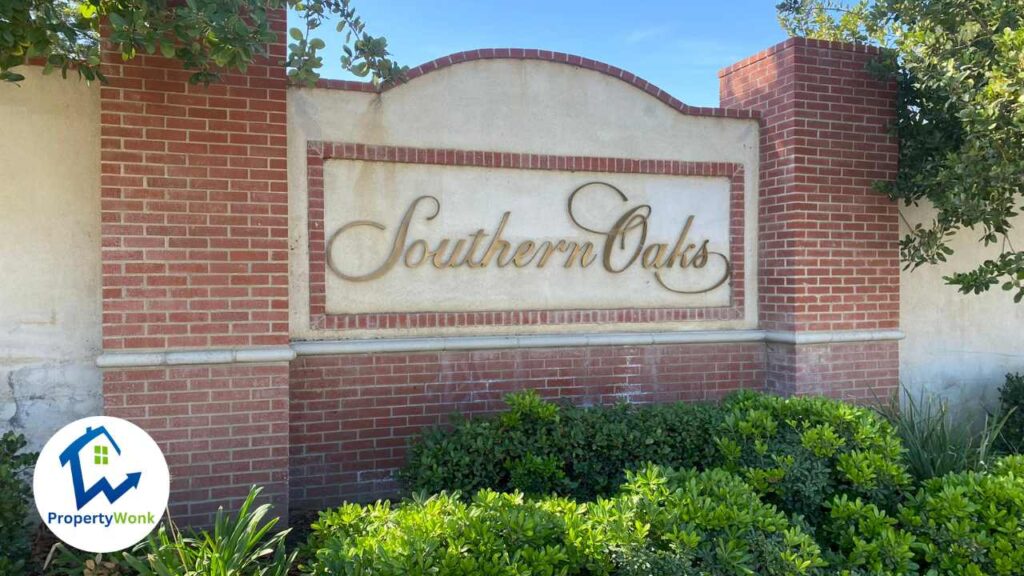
792, 466
662, 522
488, 452
865, 540
1011, 403
708, 522
970, 523
15, 495
493, 534
541, 448
607, 442
798, 453
1009, 466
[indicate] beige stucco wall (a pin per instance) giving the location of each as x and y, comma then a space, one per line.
49, 254
511, 106
959, 346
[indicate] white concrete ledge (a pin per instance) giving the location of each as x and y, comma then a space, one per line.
829, 337
323, 347
192, 357
464, 343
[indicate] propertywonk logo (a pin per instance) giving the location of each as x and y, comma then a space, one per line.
101, 484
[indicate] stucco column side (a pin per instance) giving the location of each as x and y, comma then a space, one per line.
828, 241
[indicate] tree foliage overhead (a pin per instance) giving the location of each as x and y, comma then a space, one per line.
207, 36
959, 65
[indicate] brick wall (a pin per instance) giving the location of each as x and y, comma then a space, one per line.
864, 372
194, 205
195, 255
828, 241
222, 430
352, 416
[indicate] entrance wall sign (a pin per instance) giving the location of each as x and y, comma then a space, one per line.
414, 237
548, 242
619, 247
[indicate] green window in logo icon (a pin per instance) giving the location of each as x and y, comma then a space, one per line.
100, 455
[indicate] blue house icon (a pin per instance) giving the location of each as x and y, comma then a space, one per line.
72, 456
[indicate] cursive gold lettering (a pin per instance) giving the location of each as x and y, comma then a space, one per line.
498, 245
624, 244
633, 218
397, 246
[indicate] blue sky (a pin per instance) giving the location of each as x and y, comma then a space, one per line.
678, 45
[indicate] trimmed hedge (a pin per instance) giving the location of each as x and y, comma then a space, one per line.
971, 524
862, 539
793, 486
542, 448
662, 521
798, 453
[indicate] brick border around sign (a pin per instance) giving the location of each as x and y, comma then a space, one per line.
320, 319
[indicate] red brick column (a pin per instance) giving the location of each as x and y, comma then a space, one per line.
195, 272
828, 246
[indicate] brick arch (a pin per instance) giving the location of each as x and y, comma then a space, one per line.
544, 56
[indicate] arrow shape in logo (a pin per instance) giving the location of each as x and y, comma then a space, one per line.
113, 494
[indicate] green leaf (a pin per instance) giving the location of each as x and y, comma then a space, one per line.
167, 49
117, 20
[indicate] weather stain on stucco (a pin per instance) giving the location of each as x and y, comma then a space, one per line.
39, 398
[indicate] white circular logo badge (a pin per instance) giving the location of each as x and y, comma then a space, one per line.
101, 484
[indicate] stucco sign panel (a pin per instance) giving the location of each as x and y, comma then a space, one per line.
408, 237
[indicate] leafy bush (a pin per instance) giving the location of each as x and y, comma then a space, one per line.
798, 453
708, 523
834, 470
15, 495
542, 448
662, 522
865, 540
1011, 402
970, 523
1009, 466
493, 534
937, 441
238, 545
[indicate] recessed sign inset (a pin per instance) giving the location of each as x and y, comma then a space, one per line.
429, 238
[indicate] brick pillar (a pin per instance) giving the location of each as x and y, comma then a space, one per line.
195, 272
828, 247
